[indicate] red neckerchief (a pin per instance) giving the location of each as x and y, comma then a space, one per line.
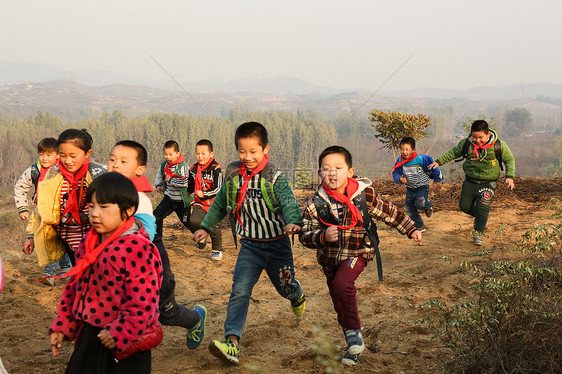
400, 163
142, 184
167, 169
73, 203
350, 189
243, 172
477, 147
198, 176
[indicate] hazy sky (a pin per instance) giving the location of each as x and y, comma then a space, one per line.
343, 44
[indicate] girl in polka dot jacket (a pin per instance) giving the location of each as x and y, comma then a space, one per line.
110, 304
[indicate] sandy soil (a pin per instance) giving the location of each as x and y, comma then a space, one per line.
274, 339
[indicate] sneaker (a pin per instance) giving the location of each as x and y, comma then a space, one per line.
355, 343
422, 229
47, 279
201, 244
429, 212
349, 359
478, 238
226, 351
216, 255
299, 306
196, 334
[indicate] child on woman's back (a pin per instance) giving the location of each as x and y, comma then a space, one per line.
110, 304
61, 217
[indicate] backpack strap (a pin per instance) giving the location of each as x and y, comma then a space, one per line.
498, 152
464, 153
323, 211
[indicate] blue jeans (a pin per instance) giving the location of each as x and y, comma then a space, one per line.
417, 198
276, 257
64, 264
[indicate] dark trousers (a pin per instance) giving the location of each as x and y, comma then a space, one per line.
475, 200
197, 216
344, 293
90, 356
416, 199
168, 206
171, 313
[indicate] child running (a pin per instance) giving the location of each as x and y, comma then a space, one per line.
48, 157
412, 170
110, 304
129, 158
205, 179
264, 220
60, 219
345, 238
171, 180
483, 155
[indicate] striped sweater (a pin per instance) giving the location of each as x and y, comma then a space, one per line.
258, 221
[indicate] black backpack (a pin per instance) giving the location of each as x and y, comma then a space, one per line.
323, 210
497, 151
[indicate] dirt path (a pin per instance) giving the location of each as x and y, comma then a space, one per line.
274, 339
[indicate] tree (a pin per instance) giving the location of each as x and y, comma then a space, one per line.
517, 121
393, 126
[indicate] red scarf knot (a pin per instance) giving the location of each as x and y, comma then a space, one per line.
74, 179
350, 190
243, 172
402, 162
168, 170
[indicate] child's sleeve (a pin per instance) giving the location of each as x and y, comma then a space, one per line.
217, 211
397, 172
21, 190
287, 200
145, 215
452, 154
509, 160
159, 180
311, 235
216, 186
434, 173
182, 181
65, 321
385, 211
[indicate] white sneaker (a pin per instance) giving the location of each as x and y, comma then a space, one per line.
216, 255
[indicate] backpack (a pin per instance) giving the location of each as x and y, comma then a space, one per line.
268, 177
497, 151
187, 199
323, 210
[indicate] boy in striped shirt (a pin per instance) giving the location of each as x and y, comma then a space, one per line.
265, 212
412, 169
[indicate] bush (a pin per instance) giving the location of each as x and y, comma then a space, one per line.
514, 325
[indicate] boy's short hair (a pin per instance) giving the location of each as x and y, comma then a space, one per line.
336, 149
114, 188
206, 142
249, 130
172, 144
479, 125
46, 145
408, 140
142, 154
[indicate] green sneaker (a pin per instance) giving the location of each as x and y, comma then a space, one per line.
196, 334
227, 351
299, 306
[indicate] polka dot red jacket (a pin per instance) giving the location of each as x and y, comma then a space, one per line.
118, 292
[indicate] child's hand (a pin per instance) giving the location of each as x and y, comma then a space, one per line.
402, 180
510, 183
24, 216
331, 235
199, 194
433, 166
292, 229
29, 246
106, 339
167, 178
159, 189
417, 236
199, 235
56, 342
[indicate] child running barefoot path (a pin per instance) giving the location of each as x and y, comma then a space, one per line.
60, 219
129, 158
343, 245
110, 304
264, 243
48, 157
482, 170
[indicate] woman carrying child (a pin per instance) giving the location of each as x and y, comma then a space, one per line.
110, 304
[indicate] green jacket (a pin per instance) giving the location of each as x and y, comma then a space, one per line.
484, 168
